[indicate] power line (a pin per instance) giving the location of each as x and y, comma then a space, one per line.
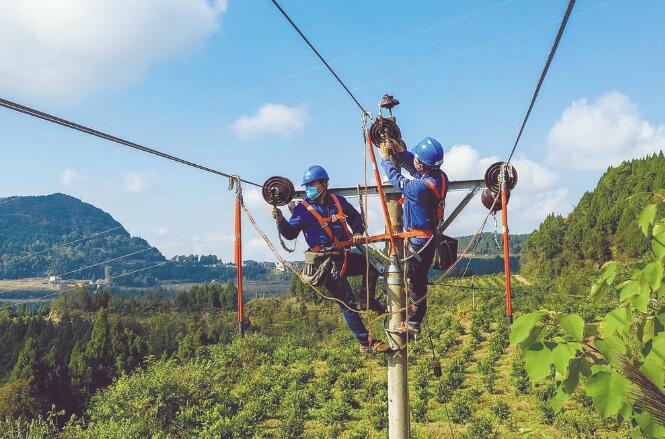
36, 299
543, 74
89, 266
311, 46
84, 129
59, 246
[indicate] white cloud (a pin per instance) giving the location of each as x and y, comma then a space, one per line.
604, 132
271, 119
68, 177
137, 183
66, 48
162, 231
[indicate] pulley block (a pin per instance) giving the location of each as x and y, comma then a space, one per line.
278, 191
388, 101
384, 128
493, 176
487, 197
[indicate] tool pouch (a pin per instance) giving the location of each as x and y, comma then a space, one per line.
316, 268
445, 252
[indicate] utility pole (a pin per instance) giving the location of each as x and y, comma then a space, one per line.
238, 256
398, 386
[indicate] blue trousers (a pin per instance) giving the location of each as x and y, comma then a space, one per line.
339, 288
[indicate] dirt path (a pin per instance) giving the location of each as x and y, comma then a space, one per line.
521, 279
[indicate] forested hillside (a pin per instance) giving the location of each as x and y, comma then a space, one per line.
600, 228
491, 244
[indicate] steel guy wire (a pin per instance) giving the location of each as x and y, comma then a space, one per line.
58, 246
543, 74
40, 298
93, 132
311, 46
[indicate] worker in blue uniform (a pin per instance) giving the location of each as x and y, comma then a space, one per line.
423, 201
325, 219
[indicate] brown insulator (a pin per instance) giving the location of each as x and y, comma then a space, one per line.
278, 191
493, 173
384, 128
487, 197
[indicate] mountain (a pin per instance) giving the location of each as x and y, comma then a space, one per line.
32, 225
602, 225
486, 244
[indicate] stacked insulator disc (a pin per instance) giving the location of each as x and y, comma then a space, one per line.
278, 191
493, 183
384, 128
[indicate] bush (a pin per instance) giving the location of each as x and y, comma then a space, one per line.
582, 423
519, 376
481, 428
460, 408
501, 411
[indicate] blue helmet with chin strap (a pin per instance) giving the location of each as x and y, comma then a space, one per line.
314, 173
429, 152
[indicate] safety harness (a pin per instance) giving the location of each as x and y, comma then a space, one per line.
325, 226
440, 198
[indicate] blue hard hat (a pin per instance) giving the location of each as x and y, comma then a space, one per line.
314, 173
429, 152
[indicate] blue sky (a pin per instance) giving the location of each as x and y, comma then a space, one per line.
232, 86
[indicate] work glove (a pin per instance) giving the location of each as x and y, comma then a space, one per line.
277, 214
357, 239
391, 145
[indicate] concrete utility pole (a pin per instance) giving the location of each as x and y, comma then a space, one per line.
398, 386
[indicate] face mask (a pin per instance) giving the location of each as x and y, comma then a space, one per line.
312, 192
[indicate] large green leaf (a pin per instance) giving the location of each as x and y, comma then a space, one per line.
654, 363
573, 325
561, 396
561, 356
658, 241
610, 346
608, 390
647, 217
617, 320
653, 275
610, 271
641, 300
537, 361
629, 289
522, 330
649, 428
578, 366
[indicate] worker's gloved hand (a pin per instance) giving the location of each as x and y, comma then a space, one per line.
357, 239
277, 214
389, 145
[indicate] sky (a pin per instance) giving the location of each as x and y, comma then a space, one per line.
232, 86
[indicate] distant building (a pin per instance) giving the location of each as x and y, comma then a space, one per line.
57, 280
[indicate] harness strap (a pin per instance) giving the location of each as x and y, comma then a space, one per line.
325, 226
439, 195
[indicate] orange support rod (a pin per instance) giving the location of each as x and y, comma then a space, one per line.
379, 186
506, 254
238, 261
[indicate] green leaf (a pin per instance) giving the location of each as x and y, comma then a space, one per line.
648, 427
576, 367
654, 363
556, 402
561, 356
647, 217
618, 320
610, 271
658, 241
522, 330
610, 346
648, 330
573, 325
641, 300
537, 361
629, 289
598, 288
608, 390
653, 274
661, 291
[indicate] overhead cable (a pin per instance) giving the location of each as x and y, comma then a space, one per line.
84, 129
311, 46
543, 74
27, 255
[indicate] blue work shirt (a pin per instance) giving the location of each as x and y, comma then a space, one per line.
420, 203
303, 220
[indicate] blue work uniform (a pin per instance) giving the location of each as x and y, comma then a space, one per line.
420, 213
338, 286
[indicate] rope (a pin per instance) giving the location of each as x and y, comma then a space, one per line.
311, 46
543, 74
93, 132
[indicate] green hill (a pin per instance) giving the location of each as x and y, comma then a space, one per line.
32, 225
600, 228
